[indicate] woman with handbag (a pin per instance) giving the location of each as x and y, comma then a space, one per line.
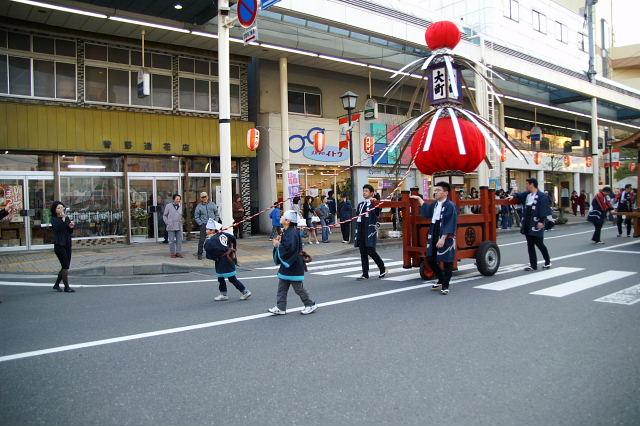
309, 216
598, 212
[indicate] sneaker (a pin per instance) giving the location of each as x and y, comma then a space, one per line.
547, 266
309, 309
444, 292
599, 242
619, 235
382, 275
436, 286
317, 242
628, 235
530, 268
245, 295
362, 278
276, 311
221, 298
345, 242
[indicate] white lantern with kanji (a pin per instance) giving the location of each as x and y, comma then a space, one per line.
253, 139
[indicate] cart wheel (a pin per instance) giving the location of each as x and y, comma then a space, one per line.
425, 272
488, 258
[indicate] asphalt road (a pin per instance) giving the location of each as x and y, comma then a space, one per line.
158, 350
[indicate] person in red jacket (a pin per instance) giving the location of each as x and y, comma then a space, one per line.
582, 202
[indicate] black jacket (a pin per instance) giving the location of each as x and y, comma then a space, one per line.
61, 232
287, 255
219, 249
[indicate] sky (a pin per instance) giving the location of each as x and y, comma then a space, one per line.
625, 22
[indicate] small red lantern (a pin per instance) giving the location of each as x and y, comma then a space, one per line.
632, 166
442, 34
369, 145
319, 142
444, 154
567, 160
589, 161
537, 158
503, 155
253, 139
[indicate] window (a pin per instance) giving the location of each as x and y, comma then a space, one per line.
198, 86
539, 22
562, 32
111, 76
43, 67
583, 42
512, 10
305, 101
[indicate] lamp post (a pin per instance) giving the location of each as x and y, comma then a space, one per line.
610, 149
349, 100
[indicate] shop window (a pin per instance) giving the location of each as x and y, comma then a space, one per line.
562, 32
70, 163
65, 48
43, 79
3, 39
19, 76
539, 22
153, 164
118, 56
24, 162
235, 99
303, 101
95, 84
161, 61
187, 95
65, 80
118, 87
19, 41
95, 52
3, 74
201, 95
161, 91
44, 45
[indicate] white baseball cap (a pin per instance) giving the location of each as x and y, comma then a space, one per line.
212, 224
291, 216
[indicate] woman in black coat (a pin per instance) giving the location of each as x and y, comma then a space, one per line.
62, 230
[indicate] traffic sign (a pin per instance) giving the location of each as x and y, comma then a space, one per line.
266, 4
249, 35
247, 12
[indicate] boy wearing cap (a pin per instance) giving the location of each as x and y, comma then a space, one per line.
287, 253
205, 210
221, 247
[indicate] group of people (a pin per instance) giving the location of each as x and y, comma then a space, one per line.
605, 202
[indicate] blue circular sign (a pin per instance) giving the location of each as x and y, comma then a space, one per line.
247, 12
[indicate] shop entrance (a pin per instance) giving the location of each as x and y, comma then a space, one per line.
148, 196
29, 225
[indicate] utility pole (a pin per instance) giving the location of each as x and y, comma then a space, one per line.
594, 101
224, 24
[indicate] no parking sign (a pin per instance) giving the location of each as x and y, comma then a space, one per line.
247, 12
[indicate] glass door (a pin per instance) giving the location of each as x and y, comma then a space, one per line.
164, 190
13, 231
39, 200
148, 197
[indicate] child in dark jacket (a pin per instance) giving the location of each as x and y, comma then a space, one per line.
286, 253
220, 247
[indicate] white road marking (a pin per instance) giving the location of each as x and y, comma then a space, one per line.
621, 251
357, 268
29, 284
404, 277
555, 236
341, 259
335, 265
580, 284
628, 296
529, 278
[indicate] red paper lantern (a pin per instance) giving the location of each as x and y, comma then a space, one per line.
632, 166
369, 145
253, 139
537, 158
319, 142
442, 34
503, 155
443, 154
589, 161
567, 160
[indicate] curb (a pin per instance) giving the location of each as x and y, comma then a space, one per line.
128, 270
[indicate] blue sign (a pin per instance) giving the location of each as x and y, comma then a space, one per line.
331, 154
247, 12
266, 4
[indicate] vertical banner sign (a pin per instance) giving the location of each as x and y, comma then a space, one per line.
293, 183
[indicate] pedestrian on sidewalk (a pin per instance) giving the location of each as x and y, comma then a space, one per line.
574, 203
308, 214
204, 211
366, 235
333, 208
276, 226
6, 211
62, 231
537, 207
625, 204
441, 245
173, 219
324, 214
238, 216
598, 212
287, 252
582, 202
221, 248
345, 210
506, 221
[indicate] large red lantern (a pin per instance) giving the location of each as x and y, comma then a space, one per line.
444, 154
319, 142
589, 161
442, 34
369, 145
253, 139
567, 160
537, 158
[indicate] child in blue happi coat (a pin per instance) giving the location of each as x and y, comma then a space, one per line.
221, 248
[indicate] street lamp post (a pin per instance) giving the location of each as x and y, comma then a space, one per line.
349, 100
610, 148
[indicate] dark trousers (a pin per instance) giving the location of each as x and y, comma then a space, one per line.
238, 231
443, 274
64, 255
346, 231
596, 234
532, 243
298, 287
366, 252
222, 285
203, 237
627, 221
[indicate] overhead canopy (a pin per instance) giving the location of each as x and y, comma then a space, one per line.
196, 12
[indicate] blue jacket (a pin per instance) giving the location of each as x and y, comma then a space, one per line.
345, 210
218, 248
540, 209
275, 217
370, 221
448, 228
331, 203
287, 255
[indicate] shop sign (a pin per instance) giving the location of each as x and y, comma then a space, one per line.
614, 160
442, 83
514, 185
371, 109
494, 183
250, 34
13, 193
293, 183
331, 154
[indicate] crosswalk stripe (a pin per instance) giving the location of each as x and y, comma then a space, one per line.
628, 296
341, 259
468, 272
580, 284
528, 279
357, 268
335, 265
404, 277
621, 251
